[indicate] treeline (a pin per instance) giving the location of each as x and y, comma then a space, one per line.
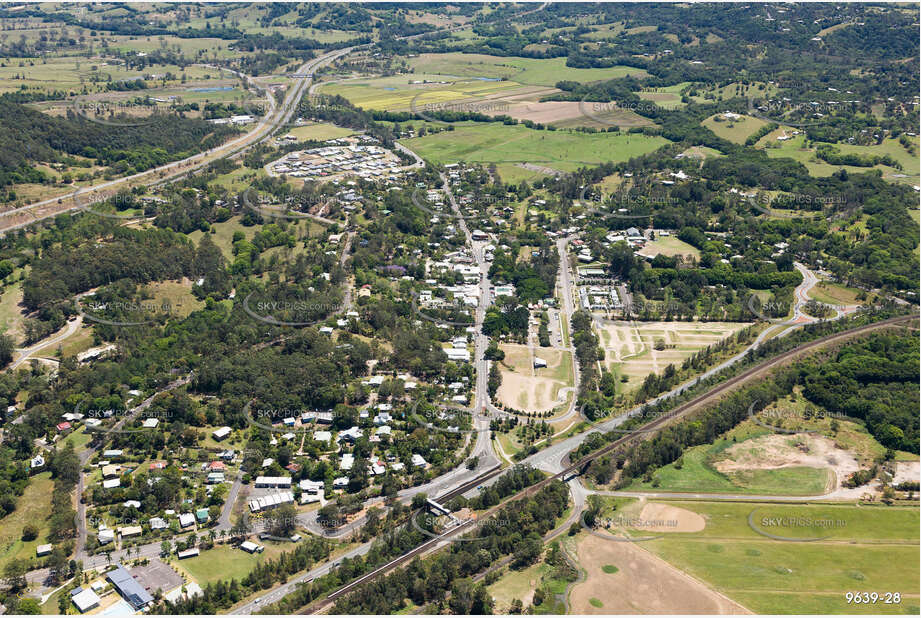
667, 445
442, 581
125, 253
588, 352
30, 136
875, 380
392, 539
834, 156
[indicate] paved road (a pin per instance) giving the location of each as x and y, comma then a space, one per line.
85, 456
72, 326
170, 172
551, 458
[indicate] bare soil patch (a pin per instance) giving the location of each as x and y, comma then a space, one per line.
774, 451
643, 584
658, 517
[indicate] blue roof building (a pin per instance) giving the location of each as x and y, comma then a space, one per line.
129, 588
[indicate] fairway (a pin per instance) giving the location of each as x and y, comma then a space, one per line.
867, 548
796, 149
562, 150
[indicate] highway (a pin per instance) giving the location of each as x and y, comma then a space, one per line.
170, 172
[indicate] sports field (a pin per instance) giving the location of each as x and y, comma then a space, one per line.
562, 150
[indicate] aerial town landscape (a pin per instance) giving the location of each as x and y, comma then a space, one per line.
461, 308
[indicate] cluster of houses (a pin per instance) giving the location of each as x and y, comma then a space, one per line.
342, 157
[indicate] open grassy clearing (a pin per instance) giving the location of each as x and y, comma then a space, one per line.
320, 131
396, 93
834, 294
33, 507
702, 152
733, 130
758, 90
223, 235
754, 459
174, 297
225, 562
669, 246
668, 97
868, 548
518, 585
642, 583
11, 318
796, 149
533, 71
563, 150
513, 173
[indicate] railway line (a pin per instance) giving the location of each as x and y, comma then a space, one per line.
573, 469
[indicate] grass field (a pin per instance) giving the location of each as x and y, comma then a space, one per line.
320, 131
563, 150
669, 246
532, 71
668, 97
834, 294
752, 459
796, 149
733, 130
518, 585
697, 475
225, 562
11, 318
513, 173
868, 549
33, 507
223, 235
396, 93
176, 295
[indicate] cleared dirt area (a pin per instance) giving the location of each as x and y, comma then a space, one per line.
630, 348
658, 517
773, 451
531, 389
643, 584
571, 114
906, 471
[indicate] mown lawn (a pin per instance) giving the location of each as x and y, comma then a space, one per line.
868, 549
